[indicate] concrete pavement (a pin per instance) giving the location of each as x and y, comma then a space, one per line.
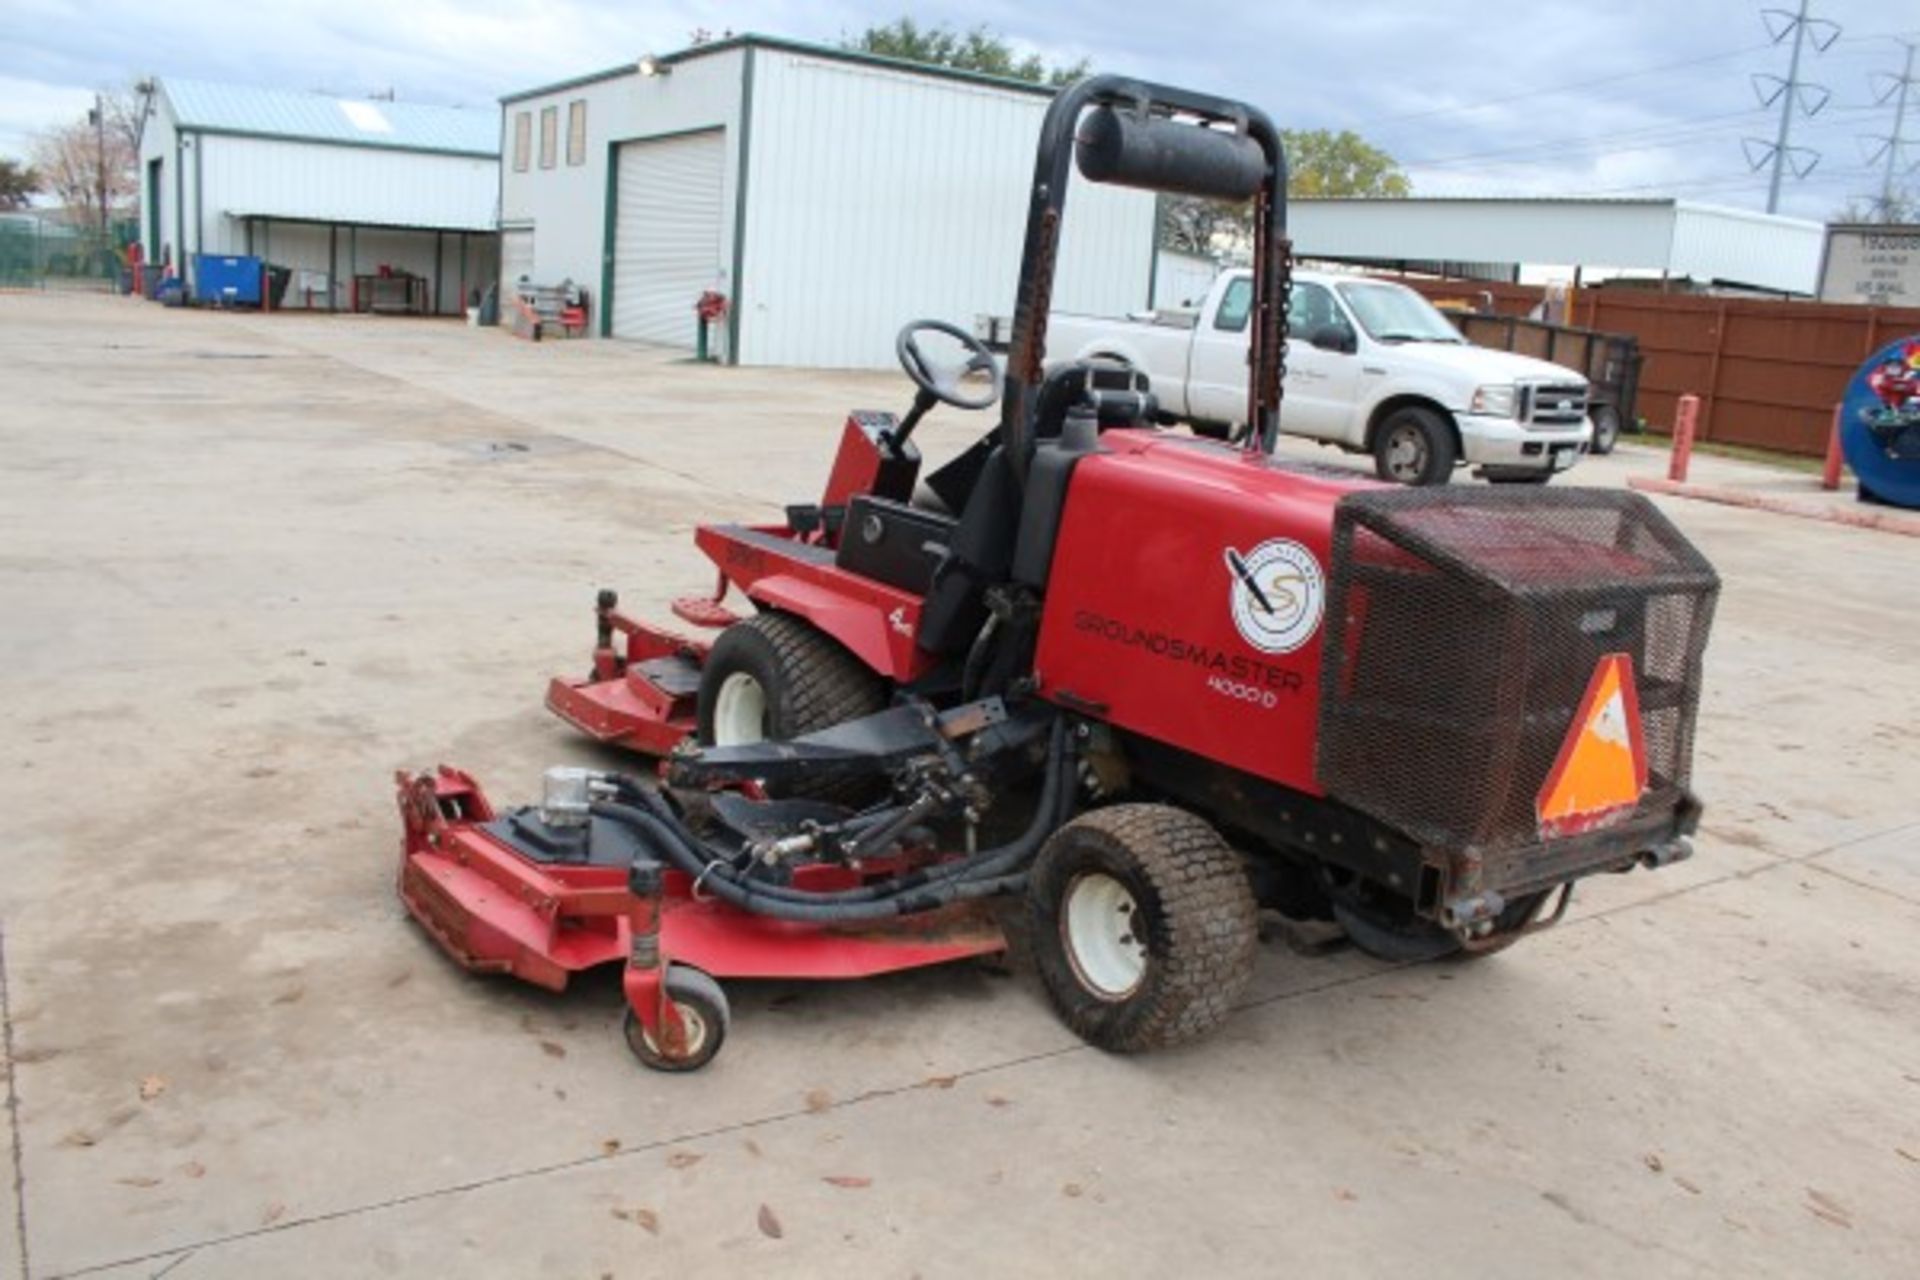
250, 566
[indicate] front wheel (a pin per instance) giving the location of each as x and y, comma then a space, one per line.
1145, 926
777, 676
1414, 446
1606, 428
703, 1010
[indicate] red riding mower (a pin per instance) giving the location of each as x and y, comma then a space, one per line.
1151, 681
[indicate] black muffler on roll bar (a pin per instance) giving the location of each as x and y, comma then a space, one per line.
1158, 154
1157, 138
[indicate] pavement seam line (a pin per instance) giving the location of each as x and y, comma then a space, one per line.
870, 1095
13, 1112
564, 1166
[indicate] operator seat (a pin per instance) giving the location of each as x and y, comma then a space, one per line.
1005, 534
1119, 395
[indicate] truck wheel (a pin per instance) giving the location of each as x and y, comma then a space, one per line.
1606, 428
776, 676
1145, 926
1212, 430
1414, 446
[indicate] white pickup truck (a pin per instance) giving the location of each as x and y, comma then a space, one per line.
1372, 367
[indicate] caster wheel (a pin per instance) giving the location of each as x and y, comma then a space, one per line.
702, 1006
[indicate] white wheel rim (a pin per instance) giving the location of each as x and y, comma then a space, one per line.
691, 1021
739, 711
1103, 931
1406, 453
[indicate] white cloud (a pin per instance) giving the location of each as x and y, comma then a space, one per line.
1414, 77
27, 106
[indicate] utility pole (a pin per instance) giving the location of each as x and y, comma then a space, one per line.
98, 119
1892, 145
1781, 153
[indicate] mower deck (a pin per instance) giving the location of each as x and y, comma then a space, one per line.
495, 909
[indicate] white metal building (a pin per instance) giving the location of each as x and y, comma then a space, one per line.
334, 189
829, 196
1678, 238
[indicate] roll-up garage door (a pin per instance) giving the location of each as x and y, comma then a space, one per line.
516, 258
668, 235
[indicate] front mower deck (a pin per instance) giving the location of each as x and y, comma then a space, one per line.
497, 902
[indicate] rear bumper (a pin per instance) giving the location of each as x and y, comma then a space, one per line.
1659, 834
1506, 445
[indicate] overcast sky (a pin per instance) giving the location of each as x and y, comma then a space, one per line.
1476, 97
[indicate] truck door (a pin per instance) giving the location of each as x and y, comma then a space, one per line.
1323, 371
1217, 361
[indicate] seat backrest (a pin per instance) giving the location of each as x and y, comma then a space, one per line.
979, 554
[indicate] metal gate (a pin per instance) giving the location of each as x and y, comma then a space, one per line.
669, 235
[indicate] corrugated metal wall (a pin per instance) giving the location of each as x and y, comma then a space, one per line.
877, 197
1182, 279
1753, 248
670, 242
341, 184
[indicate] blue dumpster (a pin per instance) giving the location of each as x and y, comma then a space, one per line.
222, 281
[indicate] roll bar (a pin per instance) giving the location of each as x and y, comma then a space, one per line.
1161, 139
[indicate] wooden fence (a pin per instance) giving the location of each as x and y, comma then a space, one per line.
1767, 373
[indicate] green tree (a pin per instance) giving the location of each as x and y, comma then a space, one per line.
1320, 163
977, 49
18, 183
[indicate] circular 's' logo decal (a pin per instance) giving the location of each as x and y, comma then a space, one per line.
1279, 594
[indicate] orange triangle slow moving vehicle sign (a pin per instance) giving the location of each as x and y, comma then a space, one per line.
1601, 771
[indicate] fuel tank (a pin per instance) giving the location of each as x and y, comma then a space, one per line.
1187, 598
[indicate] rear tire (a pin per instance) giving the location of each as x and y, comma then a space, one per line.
799, 679
1414, 446
1145, 926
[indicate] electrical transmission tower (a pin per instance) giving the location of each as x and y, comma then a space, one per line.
1892, 145
1781, 153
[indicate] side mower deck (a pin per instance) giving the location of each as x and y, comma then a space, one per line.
642, 696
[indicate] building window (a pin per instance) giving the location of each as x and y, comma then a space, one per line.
522, 140
577, 131
549, 135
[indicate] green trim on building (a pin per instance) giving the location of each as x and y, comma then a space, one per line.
610, 217
735, 304
751, 41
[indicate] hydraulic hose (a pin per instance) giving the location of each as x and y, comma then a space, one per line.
993, 871
699, 859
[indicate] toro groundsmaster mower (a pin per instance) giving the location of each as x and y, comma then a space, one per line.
1150, 681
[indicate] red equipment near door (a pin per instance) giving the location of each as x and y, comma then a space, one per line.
1112, 649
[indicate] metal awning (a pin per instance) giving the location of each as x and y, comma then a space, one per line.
355, 218
1678, 237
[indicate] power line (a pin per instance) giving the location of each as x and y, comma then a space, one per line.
1628, 140
1564, 87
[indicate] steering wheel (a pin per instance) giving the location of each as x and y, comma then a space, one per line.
946, 384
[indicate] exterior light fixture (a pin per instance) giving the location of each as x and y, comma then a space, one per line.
651, 67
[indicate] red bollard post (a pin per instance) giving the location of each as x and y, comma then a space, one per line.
1685, 417
1830, 474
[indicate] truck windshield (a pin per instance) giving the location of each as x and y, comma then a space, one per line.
1391, 313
